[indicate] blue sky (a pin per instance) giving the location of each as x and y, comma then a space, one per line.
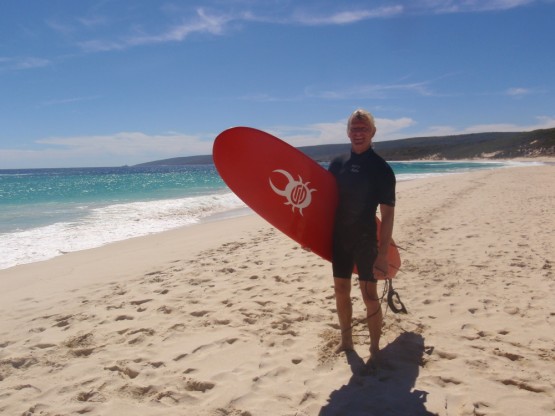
113, 82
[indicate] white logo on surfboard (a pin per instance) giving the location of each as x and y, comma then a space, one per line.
298, 194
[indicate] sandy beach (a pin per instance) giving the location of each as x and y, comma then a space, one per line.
231, 317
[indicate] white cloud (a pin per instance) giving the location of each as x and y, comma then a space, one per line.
311, 135
137, 147
219, 22
22, 63
31, 62
105, 150
390, 128
64, 28
393, 129
357, 92
465, 6
93, 21
203, 22
365, 91
130, 144
70, 100
332, 133
518, 91
346, 17
542, 122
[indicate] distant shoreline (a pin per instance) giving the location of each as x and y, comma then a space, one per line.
548, 160
34, 231
482, 146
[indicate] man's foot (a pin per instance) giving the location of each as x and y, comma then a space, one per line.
374, 360
345, 346
378, 360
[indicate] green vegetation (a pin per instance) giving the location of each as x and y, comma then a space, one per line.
467, 146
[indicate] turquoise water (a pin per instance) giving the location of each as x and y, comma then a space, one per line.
46, 212
40, 196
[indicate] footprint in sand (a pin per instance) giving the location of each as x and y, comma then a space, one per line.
477, 364
81, 345
444, 381
199, 314
90, 396
165, 309
63, 321
177, 327
83, 340
139, 393
143, 333
181, 356
124, 318
124, 371
446, 355
157, 364
19, 363
44, 346
195, 385
508, 355
140, 302
523, 385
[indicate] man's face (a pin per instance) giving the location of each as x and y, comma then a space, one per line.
361, 134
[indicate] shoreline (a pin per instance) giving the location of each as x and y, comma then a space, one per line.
542, 159
232, 317
56, 248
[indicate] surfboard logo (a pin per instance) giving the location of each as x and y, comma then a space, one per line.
298, 194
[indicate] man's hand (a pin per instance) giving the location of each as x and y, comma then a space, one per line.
381, 267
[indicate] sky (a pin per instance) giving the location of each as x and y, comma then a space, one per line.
115, 82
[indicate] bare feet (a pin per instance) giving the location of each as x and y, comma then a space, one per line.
374, 360
379, 360
346, 341
345, 346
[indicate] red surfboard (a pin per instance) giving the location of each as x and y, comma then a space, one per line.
284, 186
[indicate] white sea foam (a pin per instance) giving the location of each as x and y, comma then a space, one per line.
88, 224
108, 224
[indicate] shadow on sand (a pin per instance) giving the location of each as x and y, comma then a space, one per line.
386, 390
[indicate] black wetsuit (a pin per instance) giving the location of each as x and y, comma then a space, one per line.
364, 181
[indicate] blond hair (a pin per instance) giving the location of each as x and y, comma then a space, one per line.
361, 114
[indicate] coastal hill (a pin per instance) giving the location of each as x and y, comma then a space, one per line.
465, 146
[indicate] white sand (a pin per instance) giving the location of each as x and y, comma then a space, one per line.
232, 318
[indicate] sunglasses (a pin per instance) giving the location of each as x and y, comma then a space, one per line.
359, 129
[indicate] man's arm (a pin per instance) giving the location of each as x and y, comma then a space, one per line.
386, 232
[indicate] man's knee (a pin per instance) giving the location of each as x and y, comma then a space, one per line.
369, 292
342, 287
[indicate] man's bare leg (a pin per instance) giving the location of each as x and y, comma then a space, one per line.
374, 316
344, 313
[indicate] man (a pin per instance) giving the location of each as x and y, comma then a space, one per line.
365, 181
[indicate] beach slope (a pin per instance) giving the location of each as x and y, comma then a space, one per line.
233, 318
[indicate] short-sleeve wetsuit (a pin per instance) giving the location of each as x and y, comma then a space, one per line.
364, 181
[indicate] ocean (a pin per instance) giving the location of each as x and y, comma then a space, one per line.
48, 212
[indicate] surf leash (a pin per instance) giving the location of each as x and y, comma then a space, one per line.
380, 299
393, 300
